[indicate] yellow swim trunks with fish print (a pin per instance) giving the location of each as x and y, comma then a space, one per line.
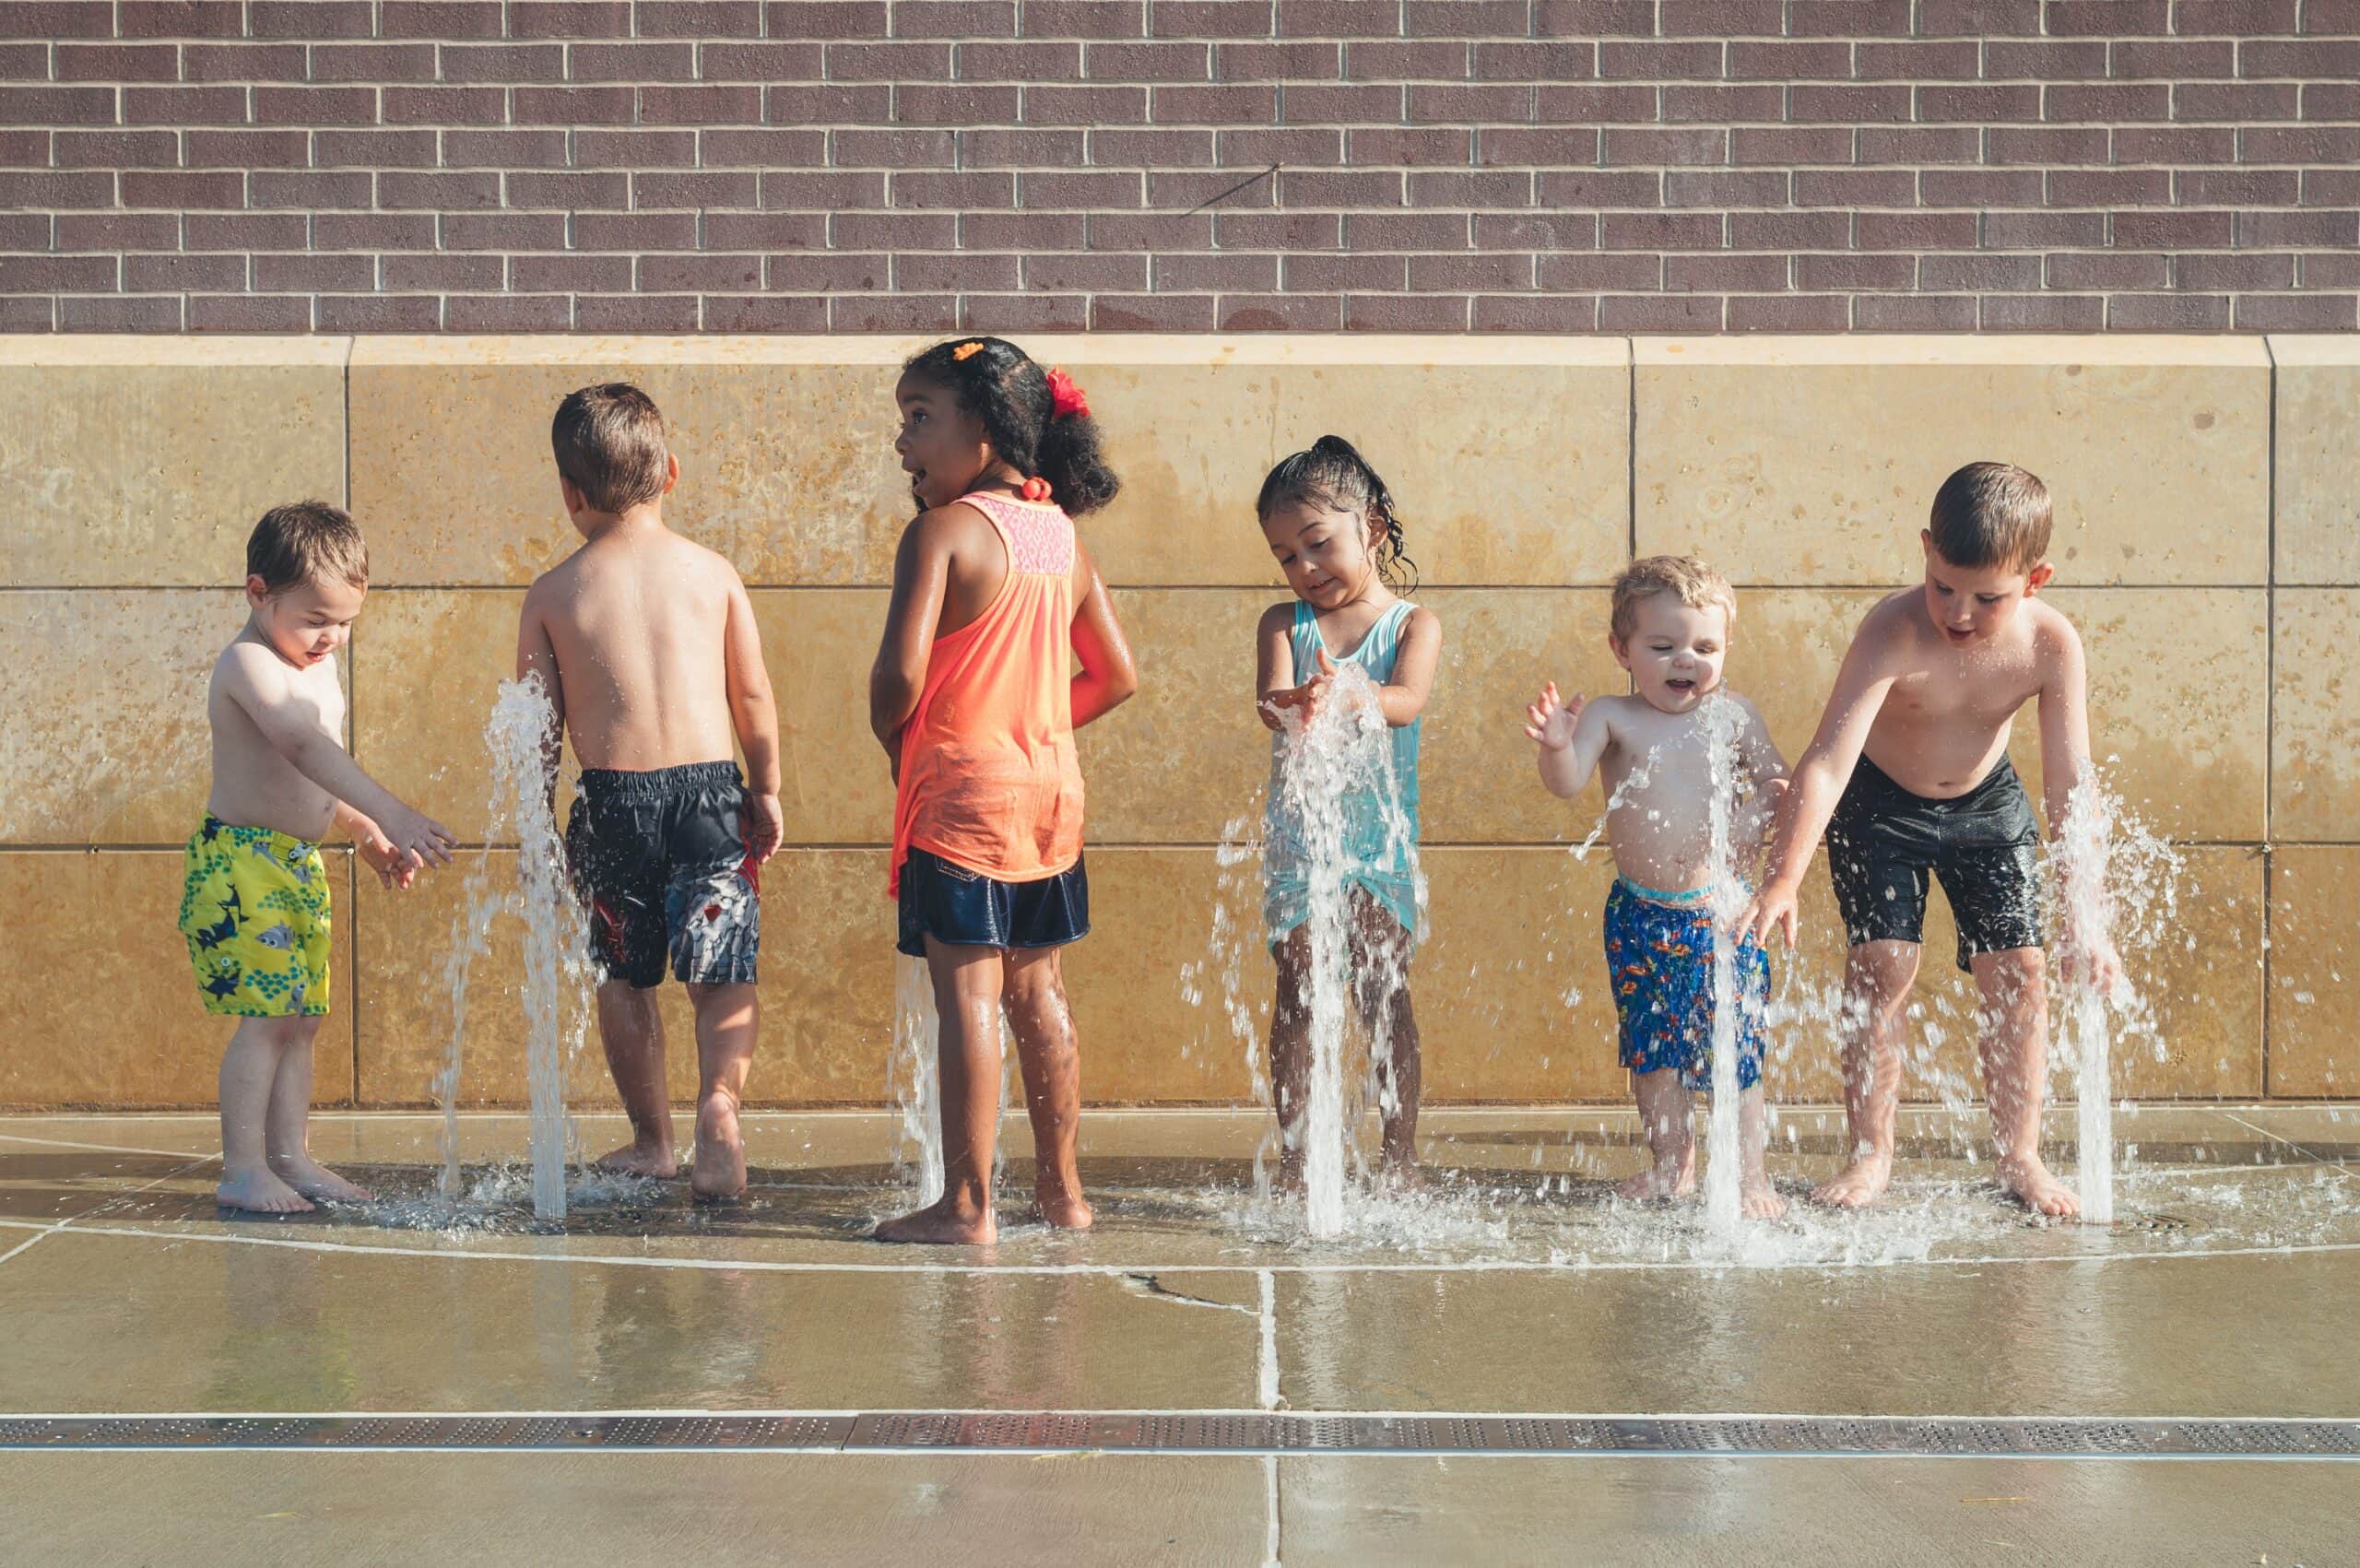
255, 909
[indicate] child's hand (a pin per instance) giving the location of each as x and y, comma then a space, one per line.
2092, 962
419, 839
1772, 909
1308, 696
393, 867
765, 824
1550, 721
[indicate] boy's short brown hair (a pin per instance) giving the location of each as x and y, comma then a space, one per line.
304, 541
1991, 514
1684, 577
610, 442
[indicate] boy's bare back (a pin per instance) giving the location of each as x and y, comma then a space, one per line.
634, 634
1943, 711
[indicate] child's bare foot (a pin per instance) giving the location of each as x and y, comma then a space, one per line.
944, 1222
1064, 1209
259, 1192
1757, 1199
1857, 1184
1291, 1174
1658, 1182
639, 1160
2036, 1189
718, 1168
311, 1178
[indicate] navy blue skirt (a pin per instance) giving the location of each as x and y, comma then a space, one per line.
963, 908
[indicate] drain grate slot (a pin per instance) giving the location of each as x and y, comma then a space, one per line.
1216, 1433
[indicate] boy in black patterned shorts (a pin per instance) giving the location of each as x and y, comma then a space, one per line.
1909, 777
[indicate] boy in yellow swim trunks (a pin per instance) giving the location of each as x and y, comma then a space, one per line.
254, 908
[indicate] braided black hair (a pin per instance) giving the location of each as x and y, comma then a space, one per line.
1004, 388
1334, 473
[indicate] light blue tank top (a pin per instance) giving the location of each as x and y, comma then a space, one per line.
1377, 861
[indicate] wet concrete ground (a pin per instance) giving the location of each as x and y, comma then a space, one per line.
1517, 1285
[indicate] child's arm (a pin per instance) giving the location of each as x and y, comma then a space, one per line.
921, 576
1404, 697
2068, 787
1571, 737
1108, 676
1767, 768
753, 713
254, 680
537, 659
1819, 780
1274, 684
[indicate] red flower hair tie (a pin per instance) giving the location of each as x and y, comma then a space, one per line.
1065, 398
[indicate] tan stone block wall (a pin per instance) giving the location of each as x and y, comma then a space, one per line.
2222, 683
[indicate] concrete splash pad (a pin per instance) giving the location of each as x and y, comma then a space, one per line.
1941, 1371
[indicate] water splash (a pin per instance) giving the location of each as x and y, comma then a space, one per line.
522, 736
1342, 755
1723, 725
915, 1078
2107, 873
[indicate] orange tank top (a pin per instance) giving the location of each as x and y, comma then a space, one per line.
990, 780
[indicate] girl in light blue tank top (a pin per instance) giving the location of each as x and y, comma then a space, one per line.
1332, 527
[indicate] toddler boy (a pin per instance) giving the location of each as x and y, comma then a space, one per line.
1908, 775
1670, 629
254, 904
645, 643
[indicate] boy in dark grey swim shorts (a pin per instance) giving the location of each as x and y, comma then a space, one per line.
1909, 778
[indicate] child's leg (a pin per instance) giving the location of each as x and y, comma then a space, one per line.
1291, 1049
1050, 1058
1665, 1106
967, 986
287, 1127
1759, 1199
2013, 1016
634, 1034
728, 1019
249, 1071
1381, 981
1876, 977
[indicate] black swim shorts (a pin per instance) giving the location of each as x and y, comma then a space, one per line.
963, 908
660, 858
1983, 845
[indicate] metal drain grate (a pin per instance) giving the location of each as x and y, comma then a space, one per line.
1186, 1432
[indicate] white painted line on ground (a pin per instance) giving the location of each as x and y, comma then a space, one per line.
1269, 1362
756, 1412
111, 1148
1119, 1270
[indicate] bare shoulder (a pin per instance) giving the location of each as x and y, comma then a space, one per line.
2056, 645
1890, 628
1422, 622
251, 668
1744, 704
1279, 618
1617, 711
944, 530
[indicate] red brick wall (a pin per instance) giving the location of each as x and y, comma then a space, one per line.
1440, 165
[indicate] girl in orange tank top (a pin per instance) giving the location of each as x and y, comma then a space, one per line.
974, 700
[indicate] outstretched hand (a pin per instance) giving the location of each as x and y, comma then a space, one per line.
2094, 963
394, 869
1308, 696
1548, 719
420, 840
1771, 909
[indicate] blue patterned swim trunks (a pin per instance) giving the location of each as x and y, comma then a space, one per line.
1659, 960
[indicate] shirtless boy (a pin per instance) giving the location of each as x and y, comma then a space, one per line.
255, 905
647, 645
1670, 629
1909, 774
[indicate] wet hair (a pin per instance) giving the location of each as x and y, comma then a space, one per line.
1684, 577
305, 541
1991, 514
1334, 475
1007, 393
608, 440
